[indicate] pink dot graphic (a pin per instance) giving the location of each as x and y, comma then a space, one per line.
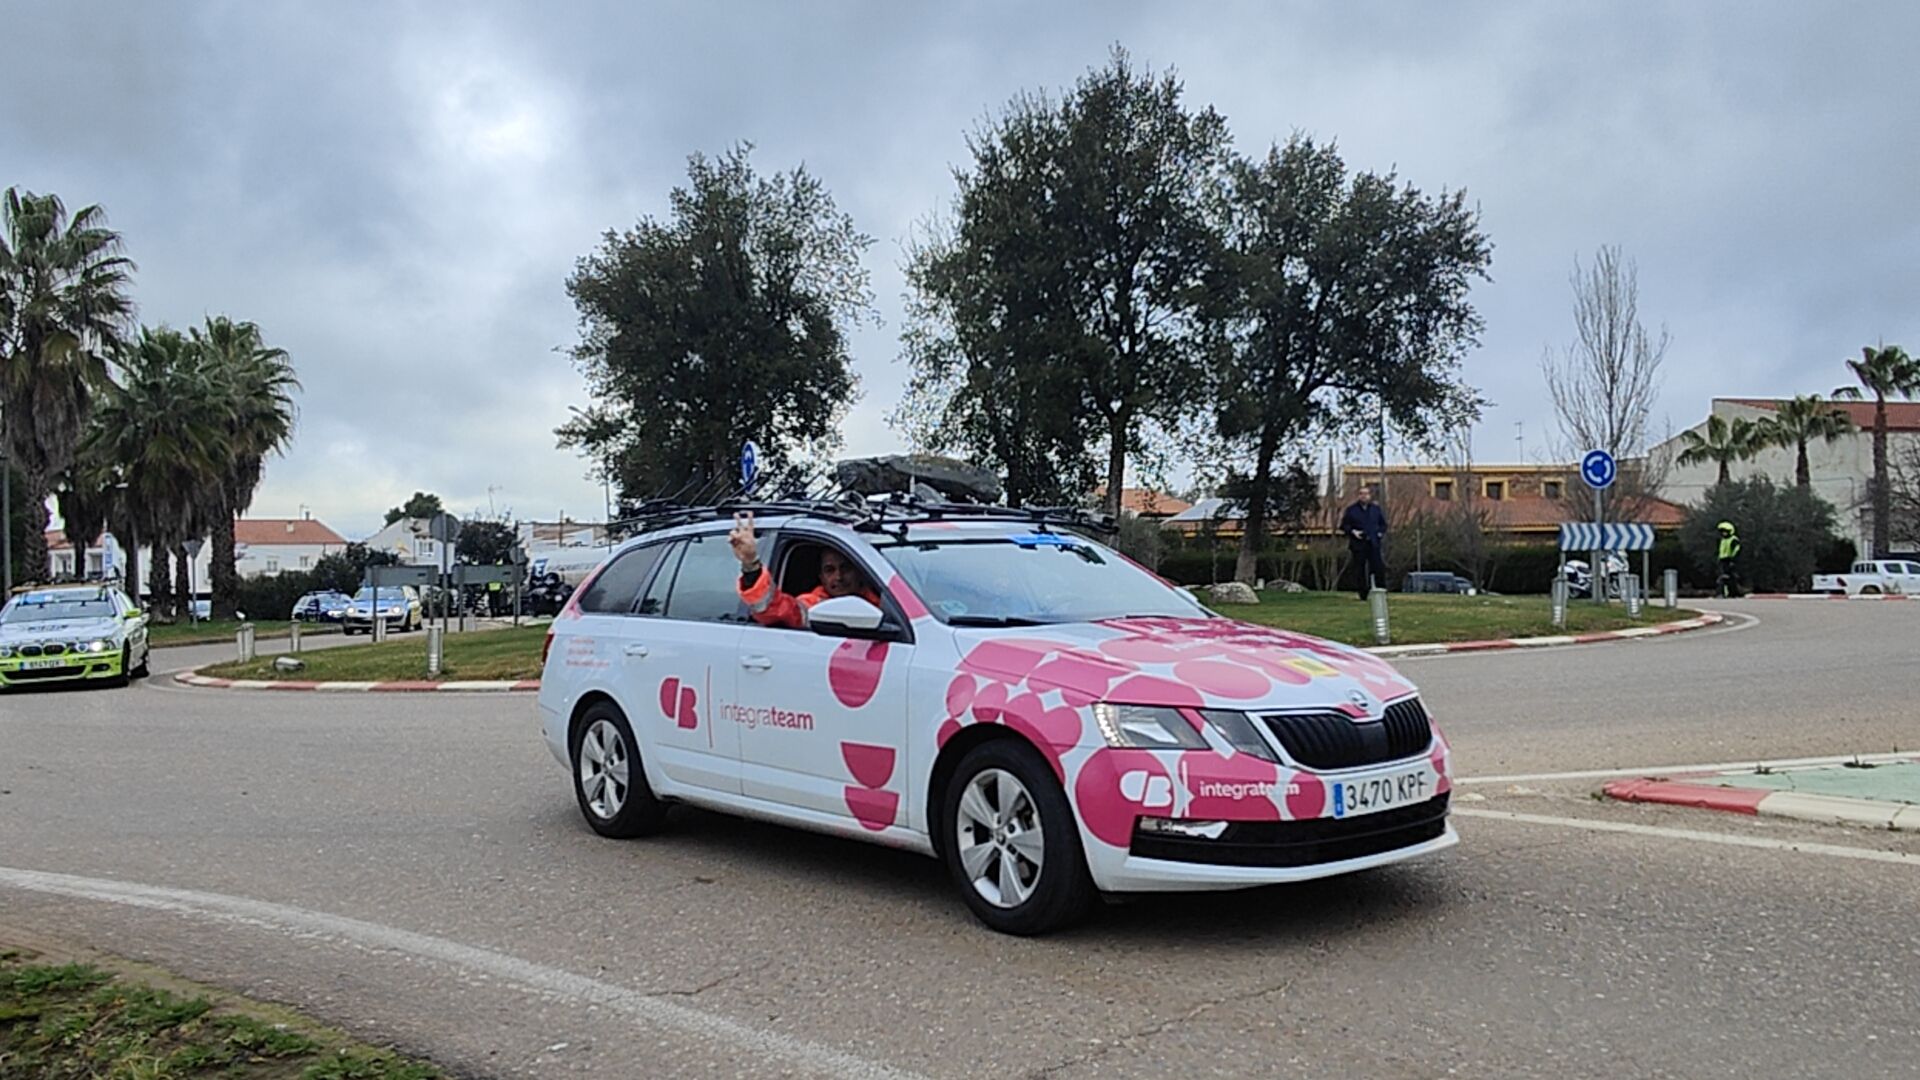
854, 671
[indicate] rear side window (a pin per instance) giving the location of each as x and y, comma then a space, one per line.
615, 589
655, 601
706, 587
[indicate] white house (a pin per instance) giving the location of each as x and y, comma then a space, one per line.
409, 539
1840, 471
268, 546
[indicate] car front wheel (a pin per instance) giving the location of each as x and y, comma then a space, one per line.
608, 779
1011, 843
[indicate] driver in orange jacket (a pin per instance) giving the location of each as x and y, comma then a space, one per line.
771, 607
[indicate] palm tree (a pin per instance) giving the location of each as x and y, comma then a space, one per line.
155, 436
255, 388
63, 309
1724, 443
1882, 372
1800, 421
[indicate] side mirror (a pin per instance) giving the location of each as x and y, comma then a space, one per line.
844, 615
133, 614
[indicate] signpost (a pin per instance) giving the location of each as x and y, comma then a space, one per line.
749, 466
1599, 471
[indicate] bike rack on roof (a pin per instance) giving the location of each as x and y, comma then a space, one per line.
863, 514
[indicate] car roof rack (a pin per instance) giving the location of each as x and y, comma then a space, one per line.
894, 512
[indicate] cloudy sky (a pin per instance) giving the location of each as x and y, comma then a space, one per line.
396, 192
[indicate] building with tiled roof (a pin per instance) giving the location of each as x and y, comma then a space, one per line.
262, 546
1841, 471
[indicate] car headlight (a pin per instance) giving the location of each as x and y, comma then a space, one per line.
1146, 727
6, 651
97, 646
1239, 731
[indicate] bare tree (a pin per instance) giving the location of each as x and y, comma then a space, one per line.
1903, 499
1603, 385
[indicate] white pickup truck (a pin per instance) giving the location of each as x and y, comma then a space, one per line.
1871, 578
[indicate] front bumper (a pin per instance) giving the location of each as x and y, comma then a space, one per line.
1134, 873
80, 667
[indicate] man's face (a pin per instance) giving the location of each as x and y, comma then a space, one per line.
1366, 495
839, 577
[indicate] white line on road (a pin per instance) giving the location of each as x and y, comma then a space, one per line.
1900, 858
1676, 770
729, 1034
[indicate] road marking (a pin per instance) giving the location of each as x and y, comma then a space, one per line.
554, 982
1681, 770
1899, 858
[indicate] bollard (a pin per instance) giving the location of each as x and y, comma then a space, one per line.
243, 639
379, 628
1378, 598
1672, 584
1559, 603
435, 651
293, 636
1630, 590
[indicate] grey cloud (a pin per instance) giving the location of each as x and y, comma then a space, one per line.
397, 192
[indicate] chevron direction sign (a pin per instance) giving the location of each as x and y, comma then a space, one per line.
1587, 536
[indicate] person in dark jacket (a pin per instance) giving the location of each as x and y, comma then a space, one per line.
1365, 527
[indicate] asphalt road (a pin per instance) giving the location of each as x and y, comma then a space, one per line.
412, 867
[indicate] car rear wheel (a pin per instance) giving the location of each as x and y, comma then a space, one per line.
1011, 843
146, 663
608, 779
1871, 590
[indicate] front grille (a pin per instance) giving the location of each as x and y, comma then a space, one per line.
1408, 731
1338, 741
1302, 843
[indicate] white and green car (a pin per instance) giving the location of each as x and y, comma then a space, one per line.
71, 633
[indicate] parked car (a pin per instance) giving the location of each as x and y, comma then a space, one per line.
1871, 577
72, 633
399, 605
1046, 717
1430, 581
329, 606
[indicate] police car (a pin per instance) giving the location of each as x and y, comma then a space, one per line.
71, 633
1047, 717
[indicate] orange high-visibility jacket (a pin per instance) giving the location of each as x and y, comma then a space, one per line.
771, 607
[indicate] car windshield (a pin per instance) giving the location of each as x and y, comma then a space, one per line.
387, 593
1023, 579
54, 607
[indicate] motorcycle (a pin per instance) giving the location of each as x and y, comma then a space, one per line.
1579, 575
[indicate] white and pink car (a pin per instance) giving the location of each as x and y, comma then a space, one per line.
1050, 719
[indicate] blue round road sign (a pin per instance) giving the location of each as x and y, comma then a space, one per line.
749, 463
1597, 469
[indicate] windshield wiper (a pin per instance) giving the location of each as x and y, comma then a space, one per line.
994, 620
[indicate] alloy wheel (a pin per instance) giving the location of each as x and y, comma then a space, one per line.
1001, 843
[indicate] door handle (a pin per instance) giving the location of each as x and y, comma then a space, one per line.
636, 649
756, 663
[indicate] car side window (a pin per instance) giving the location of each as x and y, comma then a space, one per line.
615, 589
655, 601
706, 587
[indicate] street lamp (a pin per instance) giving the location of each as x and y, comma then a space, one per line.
606, 481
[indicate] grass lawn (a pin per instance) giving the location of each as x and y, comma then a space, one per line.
213, 631
76, 1020
1423, 618
477, 654
1416, 619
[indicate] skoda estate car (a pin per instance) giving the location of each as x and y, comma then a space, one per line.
71, 633
1050, 719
